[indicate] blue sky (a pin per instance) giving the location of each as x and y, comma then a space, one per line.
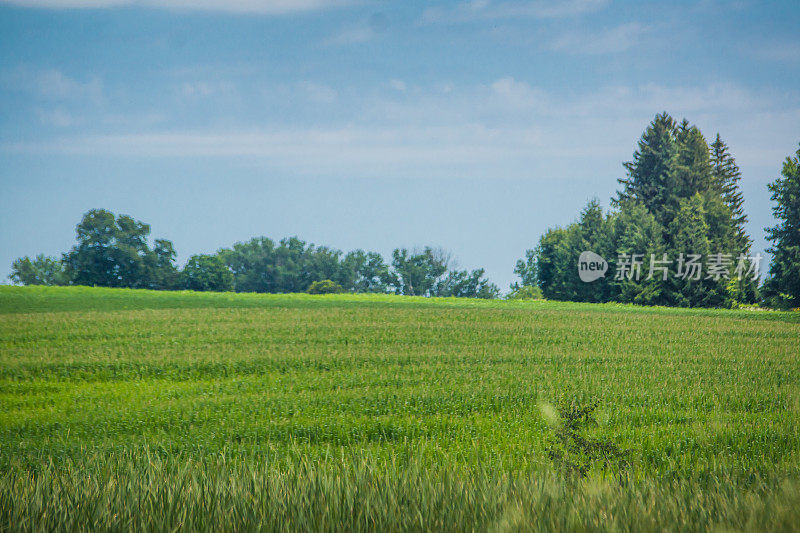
468, 125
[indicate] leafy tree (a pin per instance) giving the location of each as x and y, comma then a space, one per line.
366, 272
93, 260
525, 292
528, 270
551, 263
253, 264
325, 286
416, 273
113, 252
783, 283
40, 270
162, 272
259, 265
320, 263
131, 251
289, 275
464, 284
207, 273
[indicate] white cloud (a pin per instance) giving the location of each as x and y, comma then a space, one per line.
609, 41
517, 94
504, 128
267, 7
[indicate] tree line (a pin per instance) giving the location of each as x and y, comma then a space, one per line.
680, 200
114, 251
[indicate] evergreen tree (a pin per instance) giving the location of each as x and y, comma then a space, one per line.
633, 230
649, 180
726, 176
680, 196
690, 173
783, 284
690, 231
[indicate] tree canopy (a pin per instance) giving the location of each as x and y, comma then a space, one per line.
679, 200
114, 251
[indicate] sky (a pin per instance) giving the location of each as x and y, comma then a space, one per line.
473, 126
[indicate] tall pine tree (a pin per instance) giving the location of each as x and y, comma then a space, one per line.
679, 196
783, 284
726, 176
649, 173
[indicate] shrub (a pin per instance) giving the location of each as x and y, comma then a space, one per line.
325, 286
525, 292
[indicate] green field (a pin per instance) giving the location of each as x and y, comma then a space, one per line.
123, 409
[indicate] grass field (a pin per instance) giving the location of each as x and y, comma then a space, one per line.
126, 409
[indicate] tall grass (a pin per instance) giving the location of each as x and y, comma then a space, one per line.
149, 492
292, 412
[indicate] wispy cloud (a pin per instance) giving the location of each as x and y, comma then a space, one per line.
206, 88
52, 84
377, 24
788, 52
517, 94
487, 9
318, 92
398, 85
355, 35
56, 117
504, 128
267, 7
608, 41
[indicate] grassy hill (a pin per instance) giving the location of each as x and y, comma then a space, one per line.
151, 410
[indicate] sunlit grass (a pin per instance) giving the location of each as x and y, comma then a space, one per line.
363, 411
